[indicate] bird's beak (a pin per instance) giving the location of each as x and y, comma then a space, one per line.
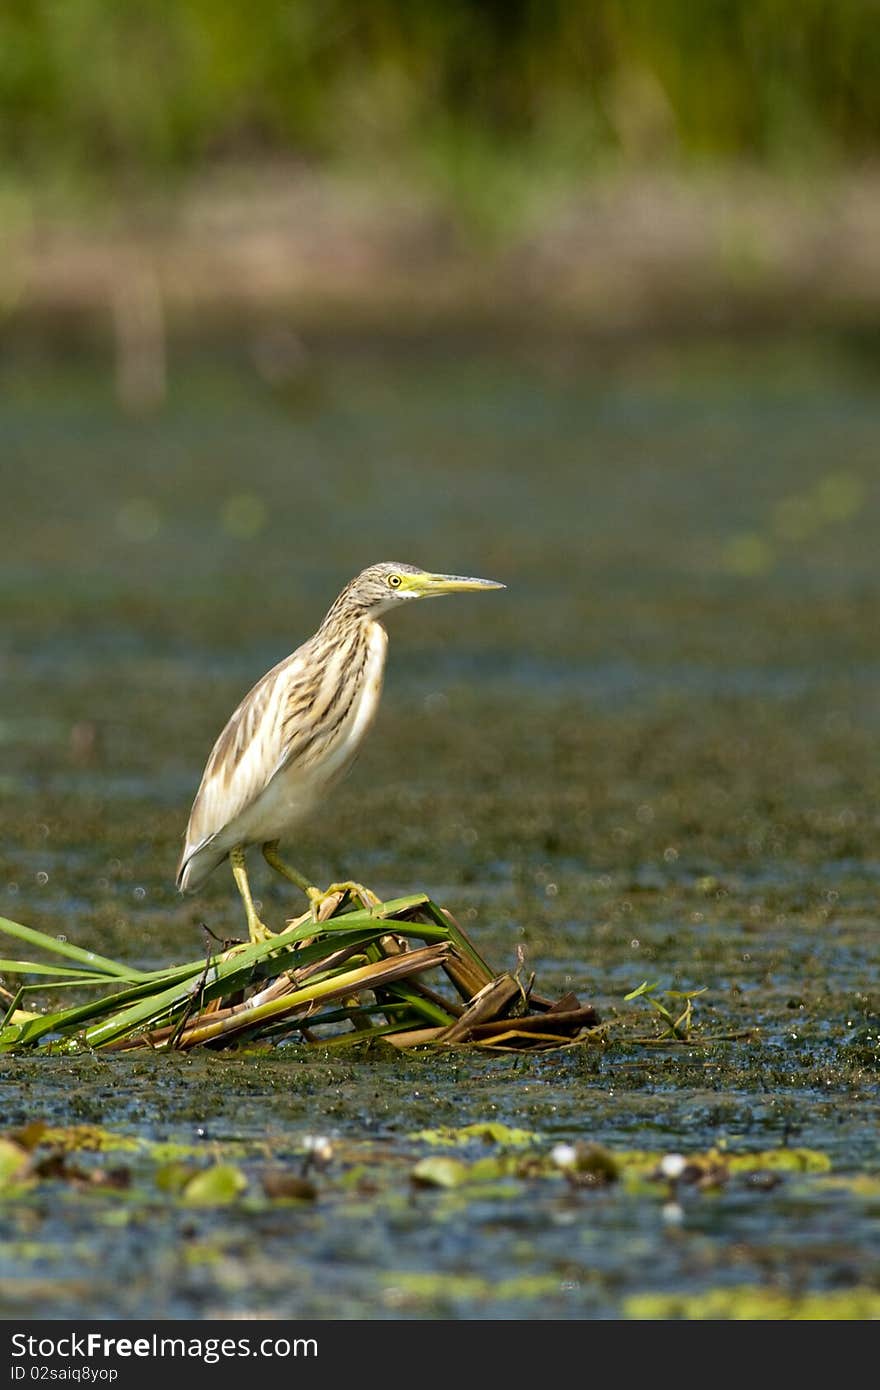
432, 585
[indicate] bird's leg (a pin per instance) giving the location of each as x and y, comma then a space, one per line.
257, 931
315, 896
274, 860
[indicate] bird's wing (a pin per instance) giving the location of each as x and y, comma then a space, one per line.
257, 742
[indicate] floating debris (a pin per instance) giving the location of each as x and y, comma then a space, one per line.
354, 976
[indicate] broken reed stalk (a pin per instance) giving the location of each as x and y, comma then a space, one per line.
356, 974
244, 1017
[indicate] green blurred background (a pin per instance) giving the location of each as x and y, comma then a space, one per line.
612, 165
119, 89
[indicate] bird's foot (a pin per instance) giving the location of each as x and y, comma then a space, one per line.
258, 932
320, 900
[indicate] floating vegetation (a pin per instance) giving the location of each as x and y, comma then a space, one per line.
355, 975
749, 1304
490, 1132
677, 1014
230, 1206
493, 1162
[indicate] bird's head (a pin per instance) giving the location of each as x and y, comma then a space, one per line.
389, 584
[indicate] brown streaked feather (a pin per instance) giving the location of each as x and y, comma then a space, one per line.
232, 779
292, 715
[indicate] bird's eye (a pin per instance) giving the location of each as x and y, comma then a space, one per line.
394, 581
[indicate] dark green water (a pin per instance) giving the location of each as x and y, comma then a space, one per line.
653, 757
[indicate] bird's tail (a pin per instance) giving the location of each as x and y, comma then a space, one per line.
197, 862
184, 870
182, 877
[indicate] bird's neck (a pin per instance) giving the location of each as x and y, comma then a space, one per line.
349, 628
347, 611
355, 643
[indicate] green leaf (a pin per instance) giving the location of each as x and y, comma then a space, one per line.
69, 973
489, 1131
14, 1162
438, 1171
174, 1177
215, 1187
89, 959
644, 988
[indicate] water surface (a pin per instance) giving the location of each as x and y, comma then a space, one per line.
653, 757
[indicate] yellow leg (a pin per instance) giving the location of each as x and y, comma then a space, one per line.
274, 860
314, 895
257, 931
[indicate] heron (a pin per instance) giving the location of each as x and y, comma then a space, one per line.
297, 732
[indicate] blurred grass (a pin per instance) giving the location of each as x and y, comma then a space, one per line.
619, 166
104, 98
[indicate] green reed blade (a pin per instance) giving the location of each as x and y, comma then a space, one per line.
91, 959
